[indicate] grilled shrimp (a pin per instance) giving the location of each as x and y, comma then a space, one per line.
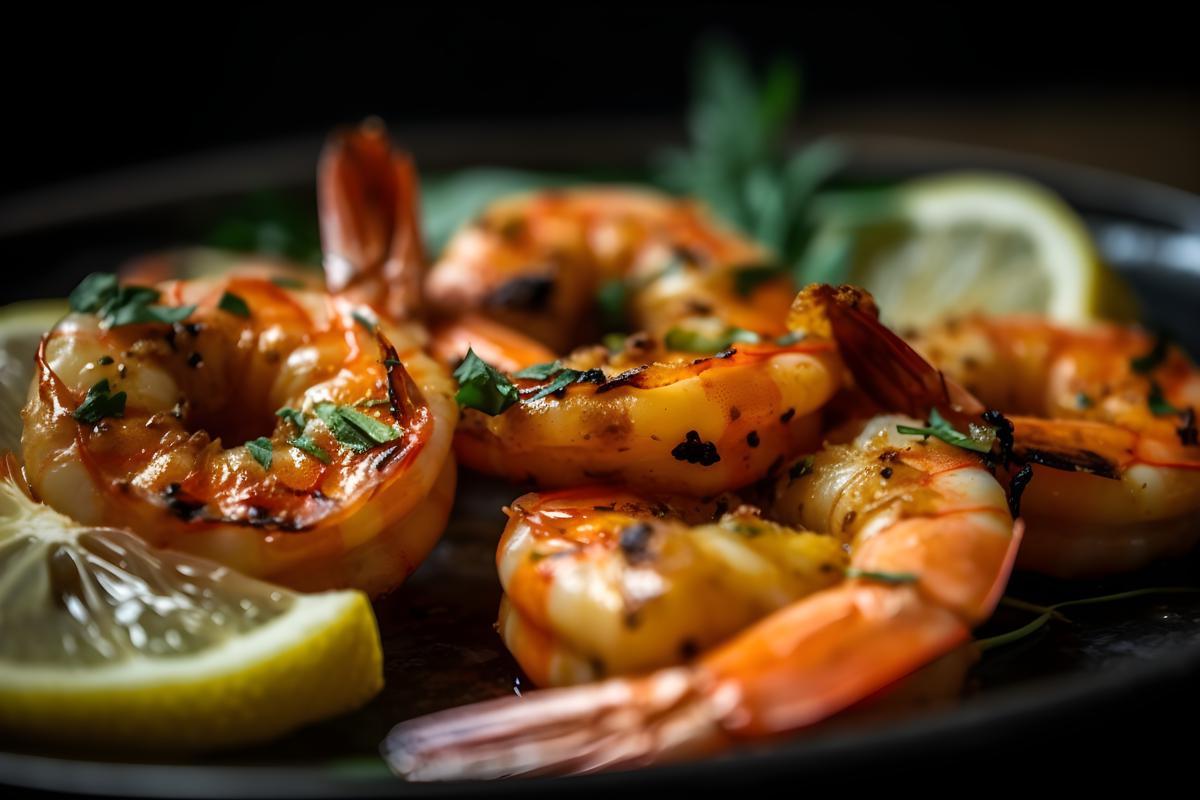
930, 542
1128, 398
293, 434
657, 419
536, 262
601, 581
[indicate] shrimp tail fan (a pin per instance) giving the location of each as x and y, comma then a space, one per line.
618, 723
883, 365
370, 227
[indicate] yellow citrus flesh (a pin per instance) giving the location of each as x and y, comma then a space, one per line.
110, 645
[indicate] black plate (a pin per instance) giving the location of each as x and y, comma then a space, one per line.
1114, 668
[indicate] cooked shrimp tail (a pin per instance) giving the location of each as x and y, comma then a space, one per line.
929, 556
884, 365
616, 723
370, 230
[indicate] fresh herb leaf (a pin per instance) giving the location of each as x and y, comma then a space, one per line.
306, 444
100, 294
483, 387
93, 292
611, 300
260, 448
883, 577
1084, 401
354, 429
540, 372
747, 279
104, 361
1159, 405
233, 304
140, 312
99, 403
980, 441
738, 162
696, 342
561, 381
365, 320
293, 416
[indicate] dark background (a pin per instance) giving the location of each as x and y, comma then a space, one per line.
89, 91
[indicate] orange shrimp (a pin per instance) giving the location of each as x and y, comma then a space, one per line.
291, 433
658, 419
536, 262
1102, 418
931, 544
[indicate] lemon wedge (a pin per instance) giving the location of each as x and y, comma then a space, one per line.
958, 243
21, 328
108, 644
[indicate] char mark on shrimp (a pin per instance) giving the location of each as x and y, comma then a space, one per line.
523, 293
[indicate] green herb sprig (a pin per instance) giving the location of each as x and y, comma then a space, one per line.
1047, 613
100, 403
738, 161
101, 294
559, 377
353, 429
980, 440
231, 303
260, 449
483, 387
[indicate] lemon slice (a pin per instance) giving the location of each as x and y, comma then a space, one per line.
21, 328
106, 643
958, 243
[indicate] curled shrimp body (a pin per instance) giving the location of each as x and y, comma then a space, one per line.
536, 262
290, 433
1125, 403
659, 420
603, 582
931, 541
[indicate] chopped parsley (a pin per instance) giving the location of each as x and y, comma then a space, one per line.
695, 342
104, 361
260, 448
100, 403
883, 577
540, 372
980, 440
1083, 400
233, 304
560, 377
306, 444
483, 387
1159, 405
100, 294
293, 416
353, 429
